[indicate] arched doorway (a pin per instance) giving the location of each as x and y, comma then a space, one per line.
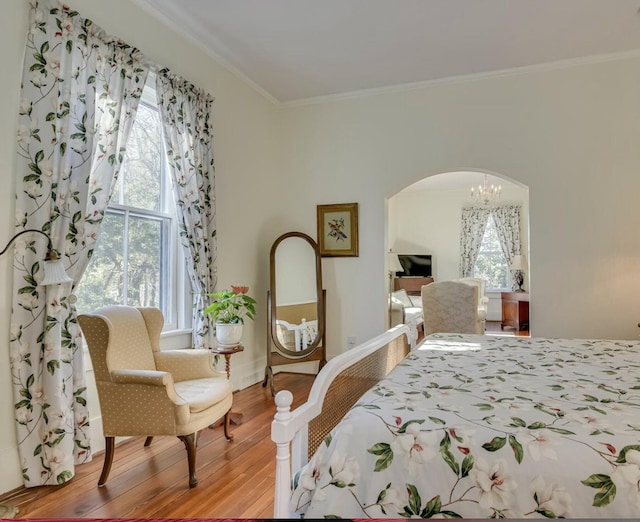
425, 218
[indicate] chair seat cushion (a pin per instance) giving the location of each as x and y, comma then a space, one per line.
203, 393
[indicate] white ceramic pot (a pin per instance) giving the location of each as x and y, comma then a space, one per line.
228, 334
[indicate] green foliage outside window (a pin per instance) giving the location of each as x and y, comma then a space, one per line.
491, 264
130, 262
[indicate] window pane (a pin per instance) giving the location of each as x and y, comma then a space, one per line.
493, 269
491, 264
140, 181
132, 263
145, 261
102, 282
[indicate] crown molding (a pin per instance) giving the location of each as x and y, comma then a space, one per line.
182, 26
178, 23
514, 71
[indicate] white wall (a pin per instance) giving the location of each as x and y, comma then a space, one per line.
428, 222
571, 135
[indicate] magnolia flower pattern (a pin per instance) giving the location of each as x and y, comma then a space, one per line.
487, 427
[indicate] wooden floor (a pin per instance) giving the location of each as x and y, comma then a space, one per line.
236, 478
493, 328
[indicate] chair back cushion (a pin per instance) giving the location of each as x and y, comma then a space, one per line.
129, 346
475, 281
450, 307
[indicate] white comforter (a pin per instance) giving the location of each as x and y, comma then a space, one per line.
479, 427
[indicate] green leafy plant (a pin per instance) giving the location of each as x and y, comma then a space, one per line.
231, 306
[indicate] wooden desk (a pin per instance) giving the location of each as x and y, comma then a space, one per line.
515, 310
228, 351
412, 285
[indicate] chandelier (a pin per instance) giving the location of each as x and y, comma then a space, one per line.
486, 194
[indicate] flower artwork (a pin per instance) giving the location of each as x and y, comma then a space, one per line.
338, 230
231, 306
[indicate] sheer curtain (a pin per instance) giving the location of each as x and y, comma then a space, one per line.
80, 92
474, 223
185, 112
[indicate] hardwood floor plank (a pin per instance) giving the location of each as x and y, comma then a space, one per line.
236, 478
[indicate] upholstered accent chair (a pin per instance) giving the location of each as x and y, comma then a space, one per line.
483, 300
451, 307
404, 310
145, 391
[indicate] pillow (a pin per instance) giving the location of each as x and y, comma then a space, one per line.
401, 296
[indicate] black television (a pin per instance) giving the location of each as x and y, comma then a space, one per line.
415, 265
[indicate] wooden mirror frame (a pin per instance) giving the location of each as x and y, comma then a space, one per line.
277, 353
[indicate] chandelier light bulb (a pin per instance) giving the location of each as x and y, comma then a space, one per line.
486, 193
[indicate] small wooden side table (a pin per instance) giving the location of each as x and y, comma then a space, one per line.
228, 351
515, 310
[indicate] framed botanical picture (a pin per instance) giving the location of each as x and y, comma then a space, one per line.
338, 230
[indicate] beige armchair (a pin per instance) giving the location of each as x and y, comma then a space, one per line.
451, 307
483, 300
145, 391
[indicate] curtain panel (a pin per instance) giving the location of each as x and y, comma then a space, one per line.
186, 112
80, 92
474, 223
507, 220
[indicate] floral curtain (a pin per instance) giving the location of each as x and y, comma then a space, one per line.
80, 91
507, 220
474, 223
186, 112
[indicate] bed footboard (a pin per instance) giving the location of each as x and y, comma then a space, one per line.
341, 382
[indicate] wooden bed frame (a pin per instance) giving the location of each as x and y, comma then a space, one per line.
339, 385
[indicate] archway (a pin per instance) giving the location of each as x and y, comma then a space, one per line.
425, 218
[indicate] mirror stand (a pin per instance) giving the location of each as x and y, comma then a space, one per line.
275, 358
296, 305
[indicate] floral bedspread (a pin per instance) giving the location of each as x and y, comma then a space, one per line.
480, 427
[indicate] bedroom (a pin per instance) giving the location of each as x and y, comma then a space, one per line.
568, 133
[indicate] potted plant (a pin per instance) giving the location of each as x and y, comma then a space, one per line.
228, 311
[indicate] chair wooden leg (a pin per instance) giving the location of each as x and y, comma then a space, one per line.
227, 420
190, 443
147, 442
108, 459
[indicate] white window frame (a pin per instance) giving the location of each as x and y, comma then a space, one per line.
493, 252
175, 286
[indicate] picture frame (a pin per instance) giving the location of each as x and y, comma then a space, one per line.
338, 230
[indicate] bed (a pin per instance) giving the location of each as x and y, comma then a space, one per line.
468, 426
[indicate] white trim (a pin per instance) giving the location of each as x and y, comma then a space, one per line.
464, 78
175, 333
198, 38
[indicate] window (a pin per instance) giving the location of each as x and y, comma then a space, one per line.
135, 261
491, 265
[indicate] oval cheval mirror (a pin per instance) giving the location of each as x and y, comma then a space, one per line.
296, 304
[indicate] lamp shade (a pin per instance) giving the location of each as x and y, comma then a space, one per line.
519, 263
394, 263
54, 273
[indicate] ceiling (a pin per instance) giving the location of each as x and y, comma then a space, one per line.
294, 50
